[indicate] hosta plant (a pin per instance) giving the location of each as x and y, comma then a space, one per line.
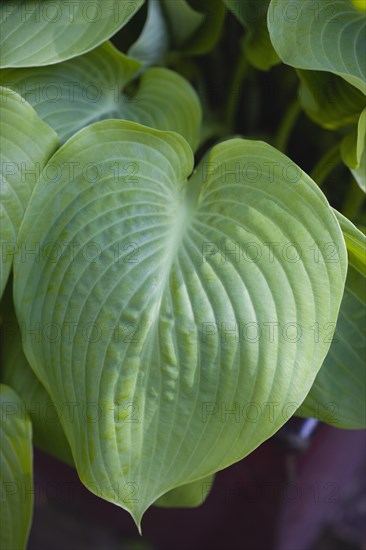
174, 285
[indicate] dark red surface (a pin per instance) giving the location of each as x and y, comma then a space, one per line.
271, 500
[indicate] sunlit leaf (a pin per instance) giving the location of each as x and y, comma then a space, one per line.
171, 330
26, 143
42, 32
71, 95
321, 36
16, 476
187, 496
338, 394
359, 4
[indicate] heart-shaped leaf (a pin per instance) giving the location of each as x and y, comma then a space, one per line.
329, 100
191, 302
42, 32
257, 44
187, 496
321, 36
353, 150
16, 476
48, 434
26, 143
71, 95
338, 394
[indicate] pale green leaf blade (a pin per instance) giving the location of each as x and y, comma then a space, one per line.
71, 95
42, 32
257, 44
338, 394
26, 143
191, 495
166, 341
353, 151
320, 36
16, 472
16, 372
329, 100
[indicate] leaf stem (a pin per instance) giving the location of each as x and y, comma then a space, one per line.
287, 124
354, 201
326, 164
240, 72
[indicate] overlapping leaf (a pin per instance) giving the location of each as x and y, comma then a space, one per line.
16, 476
71, 95
48, 434
195, 25
26, 143
321, 36
187, 496
338, 394
171, 290
42, 32
329, 100
257, 44
353, 150
184, 20
152, 45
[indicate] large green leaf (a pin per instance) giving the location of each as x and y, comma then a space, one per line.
338, 394
321, 36
187, 496
166, 321
329, 100
26, 143
48, 434
16, 476
163, 99
257, 44
353, 150
42, 32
